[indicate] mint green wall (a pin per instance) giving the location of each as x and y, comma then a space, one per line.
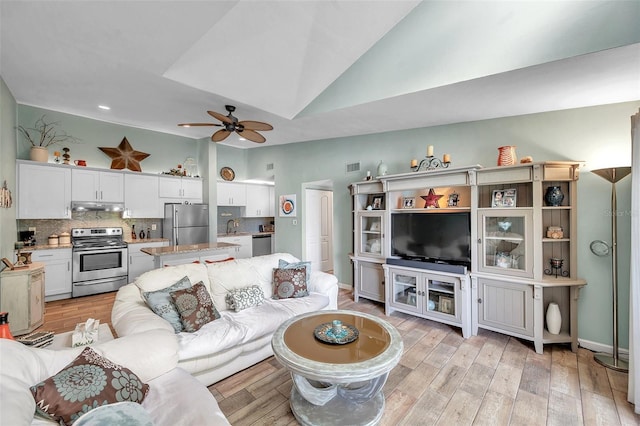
598, 135
166, 150
8, 225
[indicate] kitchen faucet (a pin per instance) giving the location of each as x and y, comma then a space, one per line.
234, 224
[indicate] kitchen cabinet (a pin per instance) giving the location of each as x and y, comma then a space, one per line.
176, 189
43, 191
244, 242
141, 199
57, 266
95, 185
231, 194
22, 295
260, 202
139, 262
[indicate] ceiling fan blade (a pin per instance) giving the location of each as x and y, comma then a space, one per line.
256, 125
220, 117
220, 135
251, 135
198, 124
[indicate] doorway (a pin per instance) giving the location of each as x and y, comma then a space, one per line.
319, 228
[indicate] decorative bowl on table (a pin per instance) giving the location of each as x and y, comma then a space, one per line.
336, 333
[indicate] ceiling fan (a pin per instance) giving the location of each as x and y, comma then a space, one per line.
246, 128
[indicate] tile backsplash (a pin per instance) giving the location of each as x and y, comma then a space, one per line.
46, 227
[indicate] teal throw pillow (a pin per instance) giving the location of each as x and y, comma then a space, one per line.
283, 264
161, 303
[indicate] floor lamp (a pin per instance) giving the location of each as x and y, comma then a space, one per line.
613, 175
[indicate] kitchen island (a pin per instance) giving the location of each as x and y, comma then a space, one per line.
177, 255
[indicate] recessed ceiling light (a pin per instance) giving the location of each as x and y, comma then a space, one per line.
107, 108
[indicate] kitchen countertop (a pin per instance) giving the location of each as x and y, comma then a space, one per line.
239, 234
191, 248
44, 247
146, 240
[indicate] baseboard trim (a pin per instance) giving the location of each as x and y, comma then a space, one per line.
607, 349
345, 286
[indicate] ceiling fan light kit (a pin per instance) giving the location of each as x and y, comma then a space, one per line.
246, 128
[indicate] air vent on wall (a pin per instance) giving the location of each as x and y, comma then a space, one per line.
270, 166
353, 167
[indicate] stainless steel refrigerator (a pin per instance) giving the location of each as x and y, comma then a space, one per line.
186, 224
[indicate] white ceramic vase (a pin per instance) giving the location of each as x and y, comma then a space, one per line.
554, 319
382, 169
39, 153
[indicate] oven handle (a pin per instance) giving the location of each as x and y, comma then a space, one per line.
99, 281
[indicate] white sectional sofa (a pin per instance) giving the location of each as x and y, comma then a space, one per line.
171, 389
237, 340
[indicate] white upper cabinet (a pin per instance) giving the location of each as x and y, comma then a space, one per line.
44, 191
141, 198
178, 189
232, 194
259, 201
92, 185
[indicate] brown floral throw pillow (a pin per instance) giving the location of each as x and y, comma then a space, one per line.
195, 307
89, 382
289, 282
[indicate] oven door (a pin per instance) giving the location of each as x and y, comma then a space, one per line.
97, 264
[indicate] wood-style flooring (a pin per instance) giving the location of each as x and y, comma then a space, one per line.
489, 379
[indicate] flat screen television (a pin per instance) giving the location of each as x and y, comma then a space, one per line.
432, 237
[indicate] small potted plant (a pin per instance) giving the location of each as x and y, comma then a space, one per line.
42, 135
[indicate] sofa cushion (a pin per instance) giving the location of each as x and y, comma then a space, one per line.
194, 306
289, 282
161, 303
160, 278
244, 298
283, 264
86, 383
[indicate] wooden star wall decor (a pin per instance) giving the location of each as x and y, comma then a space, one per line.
124, 156
431, 199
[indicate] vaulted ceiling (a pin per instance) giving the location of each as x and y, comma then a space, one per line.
318, 69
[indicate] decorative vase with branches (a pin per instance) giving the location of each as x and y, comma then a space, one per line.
45, 133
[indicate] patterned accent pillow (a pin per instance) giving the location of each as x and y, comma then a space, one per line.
194, 306
88, 382
244, 298
160, 302
289, 283
283, 264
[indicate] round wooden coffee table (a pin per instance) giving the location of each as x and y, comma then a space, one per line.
337, 383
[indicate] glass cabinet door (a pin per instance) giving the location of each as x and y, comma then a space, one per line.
506, 242
371, 235
405, 291
441, 295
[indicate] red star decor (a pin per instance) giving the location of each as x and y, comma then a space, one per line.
124, 156
431, 199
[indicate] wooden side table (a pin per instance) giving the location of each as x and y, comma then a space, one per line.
22, 295
337, 383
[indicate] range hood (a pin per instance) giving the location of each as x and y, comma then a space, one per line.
83, 206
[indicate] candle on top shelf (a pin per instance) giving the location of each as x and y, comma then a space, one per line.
446, 158
430, 151
414, 163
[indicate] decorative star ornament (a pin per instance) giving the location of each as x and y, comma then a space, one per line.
124, 156
431, 199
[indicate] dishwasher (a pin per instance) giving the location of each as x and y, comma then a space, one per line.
261, 244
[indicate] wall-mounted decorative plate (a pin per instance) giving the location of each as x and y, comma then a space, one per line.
227, 173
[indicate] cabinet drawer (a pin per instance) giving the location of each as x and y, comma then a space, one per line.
51, 254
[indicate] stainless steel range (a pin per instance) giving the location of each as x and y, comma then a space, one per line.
99, 260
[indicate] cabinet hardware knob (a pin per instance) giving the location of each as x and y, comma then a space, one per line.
479, 300
479, 241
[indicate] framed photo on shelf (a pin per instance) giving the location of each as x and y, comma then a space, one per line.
376, 202
446, 304
504, 198
453, 200
408, 202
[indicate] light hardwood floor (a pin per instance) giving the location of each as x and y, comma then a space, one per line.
442, 378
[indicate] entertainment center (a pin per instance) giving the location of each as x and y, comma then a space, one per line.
473, 247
